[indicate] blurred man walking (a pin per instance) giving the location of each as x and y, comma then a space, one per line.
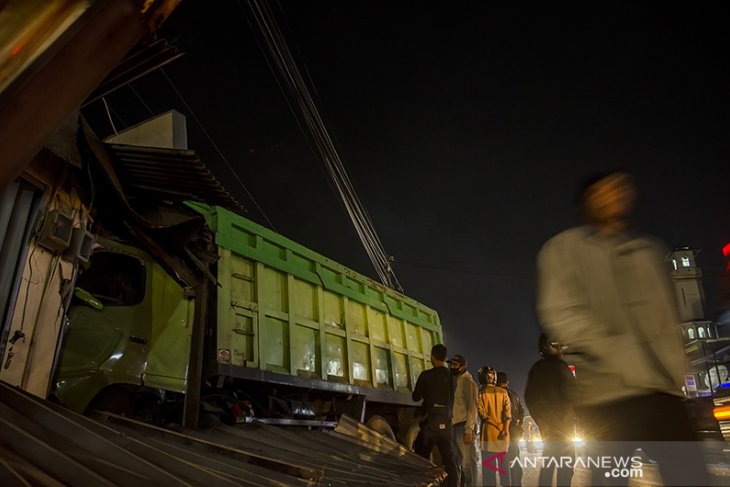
604, 290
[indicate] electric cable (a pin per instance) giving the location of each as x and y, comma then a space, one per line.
109, 115
139, 97
531, 275
217, 149
298, 94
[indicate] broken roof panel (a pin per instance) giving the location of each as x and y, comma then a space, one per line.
44, 444
174, 174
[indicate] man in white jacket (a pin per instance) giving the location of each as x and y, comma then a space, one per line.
604, 291
465, 420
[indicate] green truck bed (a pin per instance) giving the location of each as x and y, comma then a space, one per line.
286, 310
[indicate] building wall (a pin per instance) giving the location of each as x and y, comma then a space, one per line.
687, 278
690, 299
38, 310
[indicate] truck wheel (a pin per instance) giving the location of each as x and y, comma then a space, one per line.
409, 440
115, 400
380, 424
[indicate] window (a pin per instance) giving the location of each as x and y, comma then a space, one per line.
691, 333
685, 261
114, 279
700, 332
18, 203
674, 264
709, 332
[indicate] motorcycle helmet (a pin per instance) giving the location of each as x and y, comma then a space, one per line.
548, 347
487, 375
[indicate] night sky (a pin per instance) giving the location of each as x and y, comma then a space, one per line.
465, 128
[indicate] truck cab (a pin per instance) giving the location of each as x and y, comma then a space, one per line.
129, 329
285, 328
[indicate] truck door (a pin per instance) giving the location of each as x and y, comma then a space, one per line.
237, 311
107, 337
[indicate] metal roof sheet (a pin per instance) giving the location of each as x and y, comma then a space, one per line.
41, 443
174, 174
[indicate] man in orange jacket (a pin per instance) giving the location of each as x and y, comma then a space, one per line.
494, 410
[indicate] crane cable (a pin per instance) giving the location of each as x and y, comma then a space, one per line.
297, 93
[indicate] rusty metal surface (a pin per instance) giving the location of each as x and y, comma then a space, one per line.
46, 91
42, 443
32, 111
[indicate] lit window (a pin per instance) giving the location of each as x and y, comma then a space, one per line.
709, 332
685, 261
691, 333
674, 263
700, 332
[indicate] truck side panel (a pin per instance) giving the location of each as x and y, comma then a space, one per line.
285, 309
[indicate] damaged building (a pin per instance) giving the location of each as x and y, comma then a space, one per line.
170, 242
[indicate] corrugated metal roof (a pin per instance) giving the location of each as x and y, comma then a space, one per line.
42, 443
174, 174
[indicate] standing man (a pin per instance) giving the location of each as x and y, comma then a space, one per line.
548, 394
604, 290
435, 387
494, 410
515, 431
465, 420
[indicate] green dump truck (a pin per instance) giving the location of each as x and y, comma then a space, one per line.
289, 333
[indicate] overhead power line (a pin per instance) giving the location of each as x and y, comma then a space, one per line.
217, 149
139, 97
109, 115
298, 94
529, 275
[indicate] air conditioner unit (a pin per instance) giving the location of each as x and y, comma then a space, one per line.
55, 234
81, 246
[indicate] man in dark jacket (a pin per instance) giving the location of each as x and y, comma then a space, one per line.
547, 395
515, 430
435, 387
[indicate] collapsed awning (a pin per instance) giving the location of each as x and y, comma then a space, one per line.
42, 443
175, 174
145, 188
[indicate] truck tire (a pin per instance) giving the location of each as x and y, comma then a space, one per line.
409, 439
381, 425
113, 399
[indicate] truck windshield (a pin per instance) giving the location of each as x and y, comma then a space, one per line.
114, 279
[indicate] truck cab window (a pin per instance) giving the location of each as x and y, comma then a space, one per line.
114, 279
